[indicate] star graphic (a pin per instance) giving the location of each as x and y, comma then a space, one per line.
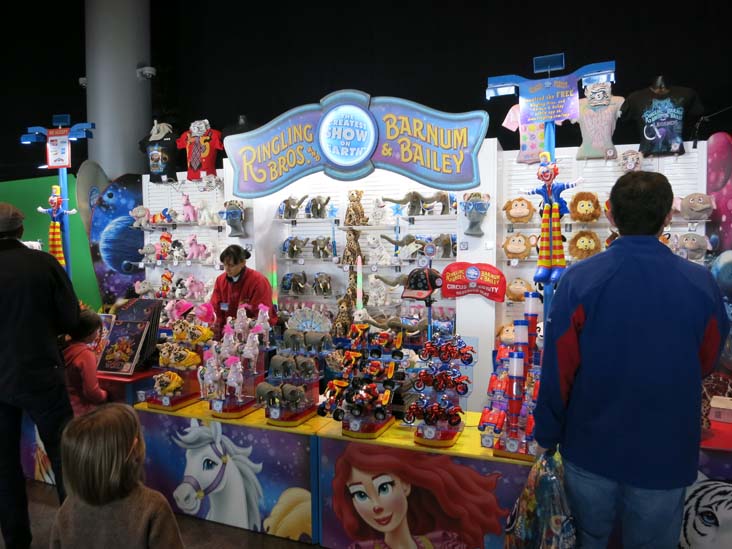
397, 209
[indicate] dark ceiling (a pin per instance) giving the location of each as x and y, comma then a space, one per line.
218, 60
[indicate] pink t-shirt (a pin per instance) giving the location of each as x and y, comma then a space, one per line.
531, 136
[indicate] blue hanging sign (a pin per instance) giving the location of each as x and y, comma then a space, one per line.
550, 99
349, 134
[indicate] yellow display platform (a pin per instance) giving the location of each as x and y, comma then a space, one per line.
397, 435
200, 410
402, 436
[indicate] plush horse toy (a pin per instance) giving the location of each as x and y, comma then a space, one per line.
190, 215
196, 250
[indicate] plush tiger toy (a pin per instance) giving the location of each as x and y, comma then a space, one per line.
707, 519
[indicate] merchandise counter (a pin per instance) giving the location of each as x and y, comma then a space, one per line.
281, 479
241, 472
457, 473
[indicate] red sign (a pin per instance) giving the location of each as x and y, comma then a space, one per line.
462, 278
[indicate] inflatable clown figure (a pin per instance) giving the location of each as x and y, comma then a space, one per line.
551, 262
57, 213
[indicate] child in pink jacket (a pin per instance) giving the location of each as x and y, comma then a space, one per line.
81, 365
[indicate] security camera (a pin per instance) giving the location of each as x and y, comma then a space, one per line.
82, 81
146, 72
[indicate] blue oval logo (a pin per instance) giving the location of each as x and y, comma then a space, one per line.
347, 135
472, 273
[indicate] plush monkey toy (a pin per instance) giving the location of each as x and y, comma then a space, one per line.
519, 210
518, 246
517, 287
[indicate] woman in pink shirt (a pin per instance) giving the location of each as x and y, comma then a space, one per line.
81, 365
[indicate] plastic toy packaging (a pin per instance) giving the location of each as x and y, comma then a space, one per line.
541, 518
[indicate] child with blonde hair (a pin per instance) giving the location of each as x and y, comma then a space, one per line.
102, 455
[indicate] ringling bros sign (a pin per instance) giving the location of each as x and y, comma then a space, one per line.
349, 134
460, 278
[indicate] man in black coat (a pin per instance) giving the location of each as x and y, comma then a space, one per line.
37, 303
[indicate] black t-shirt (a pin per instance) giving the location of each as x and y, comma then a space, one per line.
161, 155
662, 117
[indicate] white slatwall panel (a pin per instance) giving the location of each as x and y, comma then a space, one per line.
158, 196
687, 174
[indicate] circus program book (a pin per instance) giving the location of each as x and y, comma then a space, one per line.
123, 351
143, 310
101, 343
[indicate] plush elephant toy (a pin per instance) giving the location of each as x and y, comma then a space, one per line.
268, 393
317, 206
318, 341
293, 339
305, 366
292, 206
281, 366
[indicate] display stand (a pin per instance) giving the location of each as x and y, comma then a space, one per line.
230, 408
293, 420
365, 427
437, 436
171, 399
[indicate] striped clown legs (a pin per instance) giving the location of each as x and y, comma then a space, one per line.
558, 261
544, 265
55, 245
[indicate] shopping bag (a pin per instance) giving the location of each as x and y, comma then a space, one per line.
541, 518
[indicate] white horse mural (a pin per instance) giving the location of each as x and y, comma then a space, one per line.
221, 470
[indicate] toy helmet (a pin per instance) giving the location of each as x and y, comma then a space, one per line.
166, 237
205, 313
422, 283
181, 308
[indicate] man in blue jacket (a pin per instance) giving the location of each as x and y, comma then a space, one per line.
629, 337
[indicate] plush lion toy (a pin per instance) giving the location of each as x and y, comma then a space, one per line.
585, 207
519, 210
584, 244
517, 287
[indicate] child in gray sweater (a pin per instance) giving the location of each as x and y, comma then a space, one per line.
108, 505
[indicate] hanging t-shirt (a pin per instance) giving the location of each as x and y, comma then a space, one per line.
598, 114
201, 152
660, 118
160, 157
531, 136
